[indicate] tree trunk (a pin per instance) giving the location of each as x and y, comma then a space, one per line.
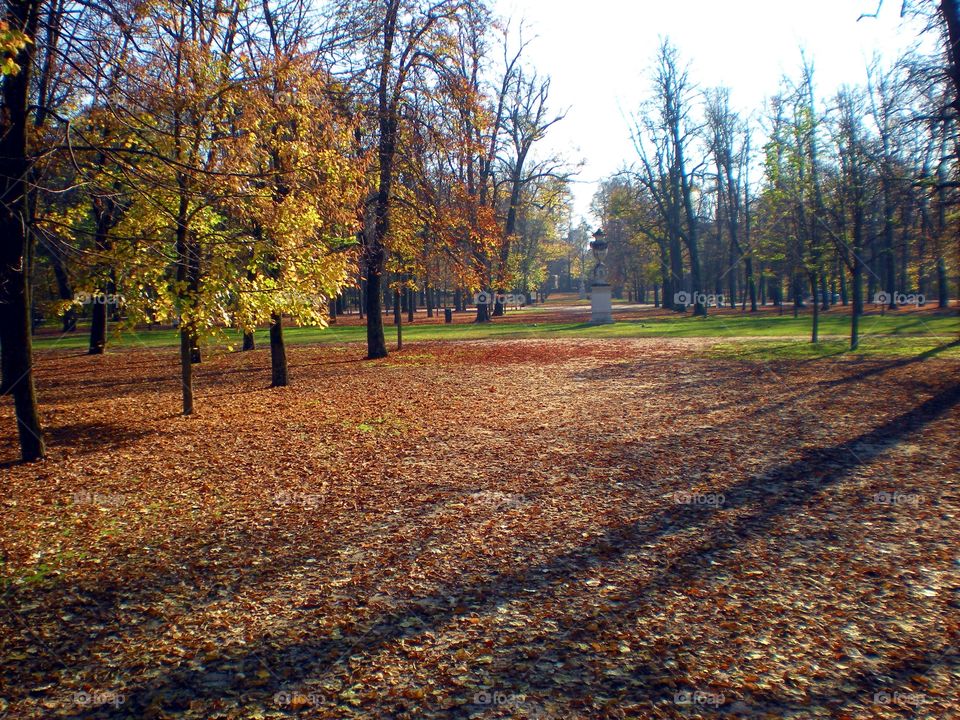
732, 273
483, 313
375, 251
943, 288
187, 273
361, 297
98, 323
376, 344
857, 282
278, 352
398, 318
815, 334
674, 279
248, 342
64, 290
889, 260
751, 283
950, 11
186, 368
16, 344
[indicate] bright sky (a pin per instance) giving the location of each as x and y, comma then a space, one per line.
597, 53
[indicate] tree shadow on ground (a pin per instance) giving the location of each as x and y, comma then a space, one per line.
86, 438
765, 499
892, 365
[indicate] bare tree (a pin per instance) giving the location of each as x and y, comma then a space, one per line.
664, 139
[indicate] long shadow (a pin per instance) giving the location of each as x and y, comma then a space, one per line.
771, 497
870, 686
886, 367
875, 369
350, 361
773, 494
140, 584
95, 437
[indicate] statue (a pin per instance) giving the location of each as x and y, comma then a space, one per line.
599, 248
601, 302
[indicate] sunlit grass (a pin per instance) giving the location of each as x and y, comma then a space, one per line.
919, 332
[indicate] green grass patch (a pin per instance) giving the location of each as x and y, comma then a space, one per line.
932, 328
385, 425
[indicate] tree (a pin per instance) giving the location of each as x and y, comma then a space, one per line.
527, 120
297, 182
854, 197
406, 38
729, 143
664, 139
22, 18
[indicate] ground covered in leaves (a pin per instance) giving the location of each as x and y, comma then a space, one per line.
525, 529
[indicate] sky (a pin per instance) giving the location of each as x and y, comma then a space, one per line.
598, 54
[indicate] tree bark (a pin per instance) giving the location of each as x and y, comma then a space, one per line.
856, 280
98, 324
398, 318
64, 289
815, 333
278, 352
186, 368
943, 291
16, 348
483, 313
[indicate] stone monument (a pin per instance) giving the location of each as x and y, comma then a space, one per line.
601, 303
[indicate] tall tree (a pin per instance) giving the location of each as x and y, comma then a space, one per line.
664, 139
406, 37
16, 350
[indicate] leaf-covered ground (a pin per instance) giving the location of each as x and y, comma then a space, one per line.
526, 529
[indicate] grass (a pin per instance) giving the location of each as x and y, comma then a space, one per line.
918, 332
870, 346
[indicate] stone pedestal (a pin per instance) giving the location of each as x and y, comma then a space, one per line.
601, 305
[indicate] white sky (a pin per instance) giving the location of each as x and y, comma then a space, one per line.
597, 53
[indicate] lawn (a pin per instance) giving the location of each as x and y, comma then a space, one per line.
918, 331
552, 527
